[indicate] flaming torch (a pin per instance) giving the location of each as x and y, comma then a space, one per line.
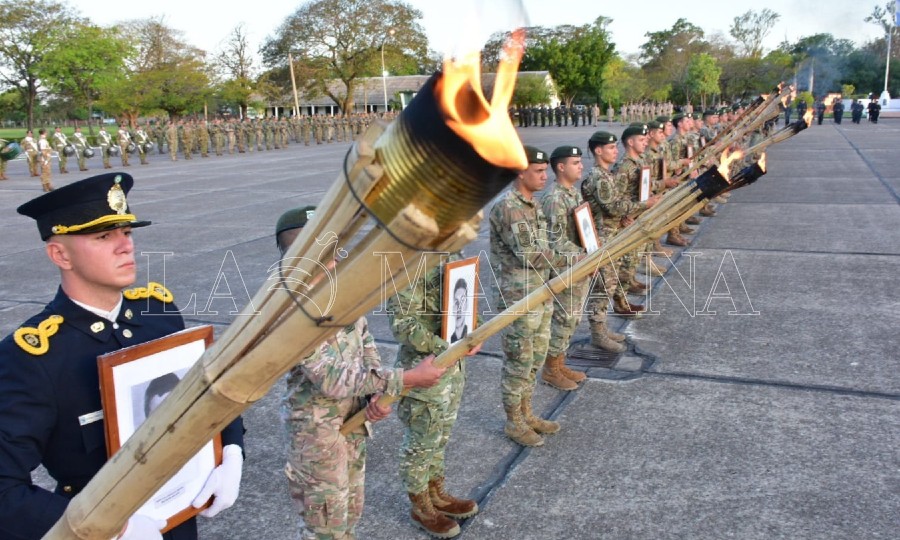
784, 133
422, 181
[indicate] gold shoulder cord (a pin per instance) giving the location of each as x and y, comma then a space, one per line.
36, 341
152, 289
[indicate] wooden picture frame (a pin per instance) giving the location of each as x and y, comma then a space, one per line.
645, 184
133, 381
587, 229
690, 151
459, 304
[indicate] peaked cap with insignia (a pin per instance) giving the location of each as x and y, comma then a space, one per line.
87, 206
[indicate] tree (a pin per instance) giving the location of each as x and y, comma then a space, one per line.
235, 65
344, 40
165, 73
28, 28
751, 28
82, 61
622, 82
703, 77
575, 57
667, 53
820, 59
531, 90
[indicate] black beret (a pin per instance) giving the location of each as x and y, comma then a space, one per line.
710, 112
565, 151
295, 218
654, 124
87, 206
678, 117
536, 155
663, 119
632, 130
602, 137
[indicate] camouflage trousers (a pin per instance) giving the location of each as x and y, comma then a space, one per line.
601, 287
428, 425
525, 347
326, 475
173, 148
568, 307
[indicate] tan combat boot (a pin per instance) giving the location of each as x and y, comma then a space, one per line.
675, 239
693, 220
517, 430
659, 248
571, 374
623, 307
424, 516
600, 338
684, 229
447, 504
539, 425
552, 375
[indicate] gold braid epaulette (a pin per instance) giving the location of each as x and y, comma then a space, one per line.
36, 341
152, 289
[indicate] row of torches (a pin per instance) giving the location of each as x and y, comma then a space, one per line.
422, 181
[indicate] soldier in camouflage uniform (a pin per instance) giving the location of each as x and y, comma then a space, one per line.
613, 208
558, 203
186, 137
428, 414
59, 142
326, 470
658, 158
203, 135
521, 258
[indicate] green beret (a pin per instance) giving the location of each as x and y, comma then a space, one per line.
736, 106
678, 117
602, 137
663, 119
295, 218
697, 116
631, 131
565, 151
654, 124
536, 155
723, 110
710, 112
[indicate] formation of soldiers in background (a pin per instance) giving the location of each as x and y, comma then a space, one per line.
189, 136
586, 115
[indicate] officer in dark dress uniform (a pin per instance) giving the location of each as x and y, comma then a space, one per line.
50, 408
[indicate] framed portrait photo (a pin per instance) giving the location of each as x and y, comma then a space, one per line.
645, 184
459, 303
587, 231
133, 382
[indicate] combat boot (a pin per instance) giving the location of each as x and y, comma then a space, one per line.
684, 229
693, 220
615, 336
636, 287
601, 339
447, 504
622, 307
427, 518
707, 211
552, 375
675, 239
516, 428
658, 248
539, 425
651, 269
574, 376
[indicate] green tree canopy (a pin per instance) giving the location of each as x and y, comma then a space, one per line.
575, 56
344, 40
28, 28
751, 28
667, 53
703, 77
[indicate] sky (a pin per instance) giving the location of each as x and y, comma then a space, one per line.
206, 24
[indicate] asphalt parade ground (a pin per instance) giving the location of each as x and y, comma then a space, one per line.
760, 401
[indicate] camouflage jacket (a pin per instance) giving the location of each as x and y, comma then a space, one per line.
335, 379
416, 317
521, 256
680, 144
558, 204
609, 199
628, 175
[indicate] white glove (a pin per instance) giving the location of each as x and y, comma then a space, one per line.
141, 527
223, 483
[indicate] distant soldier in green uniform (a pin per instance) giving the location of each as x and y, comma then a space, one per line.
325, 469
123, 139
217, 135
142, 141
521, 258
186, 137
202, 130
59, 143
249, 134
428, 414
105, 142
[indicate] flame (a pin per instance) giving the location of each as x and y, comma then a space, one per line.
485, 125
725, 163
808, 117
762, 162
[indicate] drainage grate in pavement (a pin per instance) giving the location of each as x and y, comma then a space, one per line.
582, 354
